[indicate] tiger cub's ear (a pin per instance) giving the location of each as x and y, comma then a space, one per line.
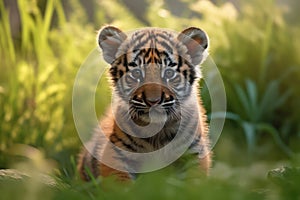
196, 42
109, 39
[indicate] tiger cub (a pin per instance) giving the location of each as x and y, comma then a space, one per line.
155, 75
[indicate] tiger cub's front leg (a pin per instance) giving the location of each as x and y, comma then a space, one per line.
90, 166
111, 156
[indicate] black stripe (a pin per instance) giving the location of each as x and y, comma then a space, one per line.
135, 41
121, 73
137, 38
192, 72
133, 140
157, 52
158, 60
167, 138
94, 161
166, 37
113, 71
84, 166
185, 74
161, 138
142, 51
125, 62
171, 63
148, 51
117, 62
141, 43
165, 45
189, 64
148, 61
132, 64
128, 146
179, 63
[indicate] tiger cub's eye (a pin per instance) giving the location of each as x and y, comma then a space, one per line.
169, 74
136, 74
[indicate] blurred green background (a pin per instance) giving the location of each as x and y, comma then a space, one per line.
254, 43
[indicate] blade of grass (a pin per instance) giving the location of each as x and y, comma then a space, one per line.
47, 19
27, 25
60, 13
6, 38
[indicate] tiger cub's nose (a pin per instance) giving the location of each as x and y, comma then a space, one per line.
152, 94
152, 101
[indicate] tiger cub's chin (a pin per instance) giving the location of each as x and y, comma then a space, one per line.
157, 116
157, 70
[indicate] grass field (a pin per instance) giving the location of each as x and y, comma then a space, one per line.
255, 46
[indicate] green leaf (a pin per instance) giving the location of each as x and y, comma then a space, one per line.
242, 97
227, 115
252, 96
267, 102
250, 133
270, 129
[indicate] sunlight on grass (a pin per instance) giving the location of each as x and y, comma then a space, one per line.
255, 47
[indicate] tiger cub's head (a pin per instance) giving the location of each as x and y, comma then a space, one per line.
153, 68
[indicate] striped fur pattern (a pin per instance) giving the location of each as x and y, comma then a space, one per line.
154, 75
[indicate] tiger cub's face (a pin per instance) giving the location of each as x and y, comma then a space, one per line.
153, 69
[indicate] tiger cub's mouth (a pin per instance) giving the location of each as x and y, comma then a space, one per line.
156, 104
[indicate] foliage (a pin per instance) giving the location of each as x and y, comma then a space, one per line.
254, 46
229, 183
255, 115
36, 83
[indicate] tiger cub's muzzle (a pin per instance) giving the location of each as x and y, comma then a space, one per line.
153, 94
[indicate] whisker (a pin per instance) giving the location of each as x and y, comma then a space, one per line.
140, 107
168, 103
137, 102
173, 114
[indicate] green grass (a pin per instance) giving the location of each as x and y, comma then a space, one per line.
249, 182
255, 48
